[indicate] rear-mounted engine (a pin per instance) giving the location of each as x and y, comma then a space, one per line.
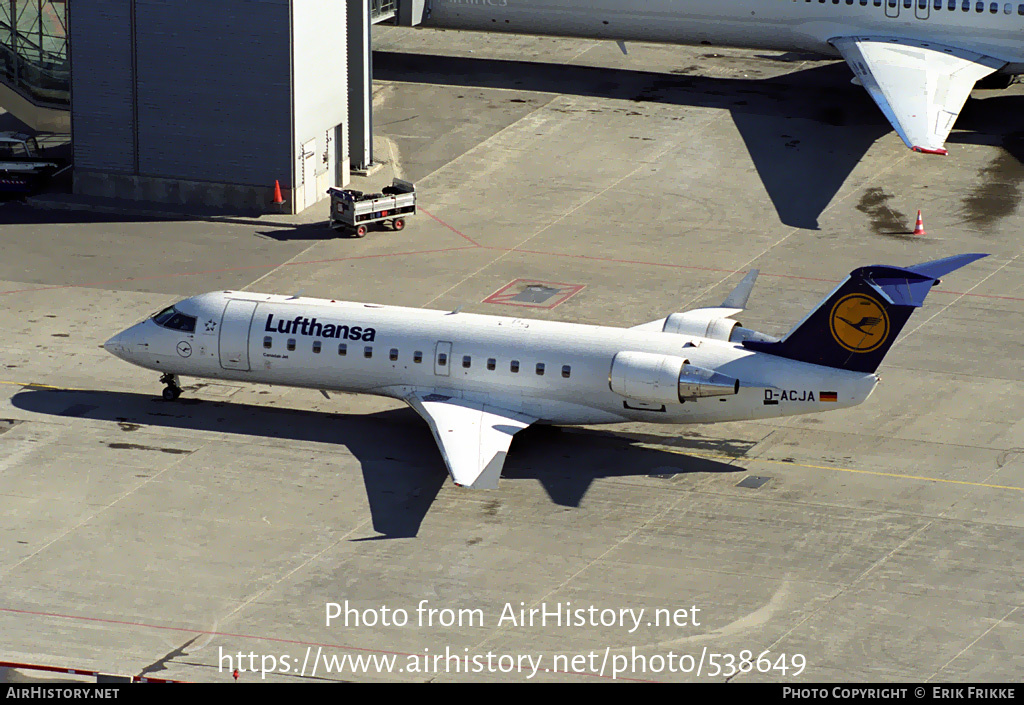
666, 379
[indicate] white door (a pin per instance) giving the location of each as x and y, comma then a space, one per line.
308, 174
234, 334
330, 152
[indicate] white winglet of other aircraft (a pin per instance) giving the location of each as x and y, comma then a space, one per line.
477, 380
918, 59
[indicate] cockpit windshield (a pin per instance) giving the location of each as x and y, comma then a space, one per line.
174, 319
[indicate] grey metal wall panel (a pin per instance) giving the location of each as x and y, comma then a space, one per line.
320, 56
101, 85
214, 90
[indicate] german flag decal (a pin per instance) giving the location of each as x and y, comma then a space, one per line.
828, 396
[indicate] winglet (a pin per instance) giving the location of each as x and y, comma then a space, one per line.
738, 297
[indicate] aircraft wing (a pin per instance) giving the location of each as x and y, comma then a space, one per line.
734, 303
473, 437
920, 86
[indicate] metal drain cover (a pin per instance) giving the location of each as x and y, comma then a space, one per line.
753, 482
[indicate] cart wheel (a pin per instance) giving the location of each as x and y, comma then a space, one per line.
361, 231
398, 223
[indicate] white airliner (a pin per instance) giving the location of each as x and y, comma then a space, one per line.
919, 59
477, 380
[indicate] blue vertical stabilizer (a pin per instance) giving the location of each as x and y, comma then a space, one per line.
854, 327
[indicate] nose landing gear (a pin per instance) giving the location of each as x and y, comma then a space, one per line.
172, 391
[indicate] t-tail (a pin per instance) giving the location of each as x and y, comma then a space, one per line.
854, 327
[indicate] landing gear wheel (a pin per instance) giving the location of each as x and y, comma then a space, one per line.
361, 231
398, 223
173, 390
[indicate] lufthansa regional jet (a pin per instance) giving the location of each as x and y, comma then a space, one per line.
477, 380
918, 59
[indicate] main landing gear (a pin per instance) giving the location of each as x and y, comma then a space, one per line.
172, 391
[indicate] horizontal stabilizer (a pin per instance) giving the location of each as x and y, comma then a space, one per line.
941, 267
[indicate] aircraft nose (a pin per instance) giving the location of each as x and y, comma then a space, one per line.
119, 345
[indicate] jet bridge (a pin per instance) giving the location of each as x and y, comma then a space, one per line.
362, 14
35, 73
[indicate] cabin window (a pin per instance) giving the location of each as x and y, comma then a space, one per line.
491, 363
908, 3
466, 361
368, 351
442, 359
979, 7
342, 348
316, 346
1020, 9
566, 371
1007, 9
393, 355
417, 357
540, 368
514, 366
291, 343
951, 5
268, 342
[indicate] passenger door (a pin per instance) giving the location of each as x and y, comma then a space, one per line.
234, 334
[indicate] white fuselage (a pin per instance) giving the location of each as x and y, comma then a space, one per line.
397, 352
992, 28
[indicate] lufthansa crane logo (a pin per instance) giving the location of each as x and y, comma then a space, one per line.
859, 323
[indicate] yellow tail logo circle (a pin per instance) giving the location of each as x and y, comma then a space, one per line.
859, 323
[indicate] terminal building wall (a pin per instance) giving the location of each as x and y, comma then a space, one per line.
209, 102
321, 98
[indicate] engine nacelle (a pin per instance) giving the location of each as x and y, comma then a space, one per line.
666, 379
702, 326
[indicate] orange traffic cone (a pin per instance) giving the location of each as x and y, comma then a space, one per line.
919, 225
279, 200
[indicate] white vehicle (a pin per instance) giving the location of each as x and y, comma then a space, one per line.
919, 59
21, 168
477, 380
20, 152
